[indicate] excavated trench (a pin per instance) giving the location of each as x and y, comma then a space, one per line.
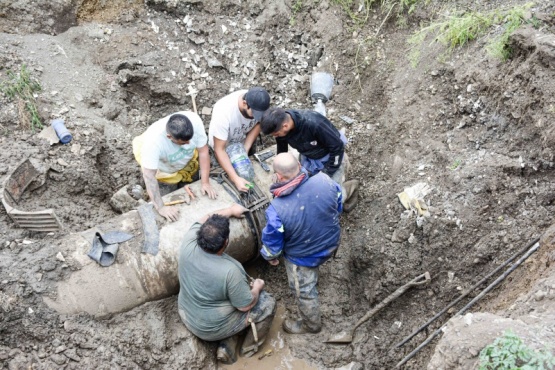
476, 130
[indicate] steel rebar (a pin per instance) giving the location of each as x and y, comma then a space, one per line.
471, 303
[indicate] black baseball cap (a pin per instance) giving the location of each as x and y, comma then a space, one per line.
258, 101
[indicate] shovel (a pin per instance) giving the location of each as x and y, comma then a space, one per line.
347, 337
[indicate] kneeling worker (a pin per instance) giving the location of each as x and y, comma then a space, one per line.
170, 153
215, 300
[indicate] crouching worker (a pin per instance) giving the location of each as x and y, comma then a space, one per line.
170, 153
216, 301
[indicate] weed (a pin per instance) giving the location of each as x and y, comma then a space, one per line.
508, 352
22, 89
295, 8
456, 163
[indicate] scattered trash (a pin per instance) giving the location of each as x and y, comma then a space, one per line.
60, 257
29, 174
61, 130
105, 247
266, 354
49, 134
413, 198
347, 120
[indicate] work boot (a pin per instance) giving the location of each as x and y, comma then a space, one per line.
351, 195
299, 327
227, 350
249, 347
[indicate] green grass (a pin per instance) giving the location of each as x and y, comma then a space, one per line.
510, 353
458, 30
21, 88
456, 163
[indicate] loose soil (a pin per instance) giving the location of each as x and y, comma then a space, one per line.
477, 130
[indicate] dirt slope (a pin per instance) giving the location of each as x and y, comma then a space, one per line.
478, 131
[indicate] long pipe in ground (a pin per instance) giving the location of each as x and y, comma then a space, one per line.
471, 303
136, 277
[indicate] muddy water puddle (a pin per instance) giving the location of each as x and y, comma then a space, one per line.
274, 353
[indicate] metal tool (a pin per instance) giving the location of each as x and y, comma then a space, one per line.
347, 337
261, 157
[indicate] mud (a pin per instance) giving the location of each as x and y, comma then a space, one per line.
479, 131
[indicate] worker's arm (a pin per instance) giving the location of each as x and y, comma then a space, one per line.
251, 137
153, 190
257, 287
225, 162
327, 136
272, 237
204, 162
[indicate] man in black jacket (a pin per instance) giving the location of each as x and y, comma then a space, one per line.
320, 144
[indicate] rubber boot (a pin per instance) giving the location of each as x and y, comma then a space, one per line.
299, 327
351, 195
249, 347
227, 350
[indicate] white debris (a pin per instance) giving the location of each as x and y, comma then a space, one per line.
60, 257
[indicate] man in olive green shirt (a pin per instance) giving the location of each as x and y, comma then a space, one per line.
215, 299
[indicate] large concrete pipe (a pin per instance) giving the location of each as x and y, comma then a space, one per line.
136, 277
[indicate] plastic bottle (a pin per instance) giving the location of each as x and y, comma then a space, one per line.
240, 161
63, 134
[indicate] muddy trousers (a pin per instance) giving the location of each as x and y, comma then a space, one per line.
303, 282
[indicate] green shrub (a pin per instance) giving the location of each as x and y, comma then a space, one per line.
509, 353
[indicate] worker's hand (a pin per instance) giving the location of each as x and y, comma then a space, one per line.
208, 190
237, 210
242, 185
258, 284
169, 212
274, 262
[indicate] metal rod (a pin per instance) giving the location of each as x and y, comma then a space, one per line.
467, 292
471, 303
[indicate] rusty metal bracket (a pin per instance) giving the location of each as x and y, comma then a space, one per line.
30, 174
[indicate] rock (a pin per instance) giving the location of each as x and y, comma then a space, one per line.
122, 202
48, 266
60, 257
58, 359
61, 162
72, 355
540, 295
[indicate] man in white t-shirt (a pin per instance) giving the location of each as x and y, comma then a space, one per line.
171, 151
235, 119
